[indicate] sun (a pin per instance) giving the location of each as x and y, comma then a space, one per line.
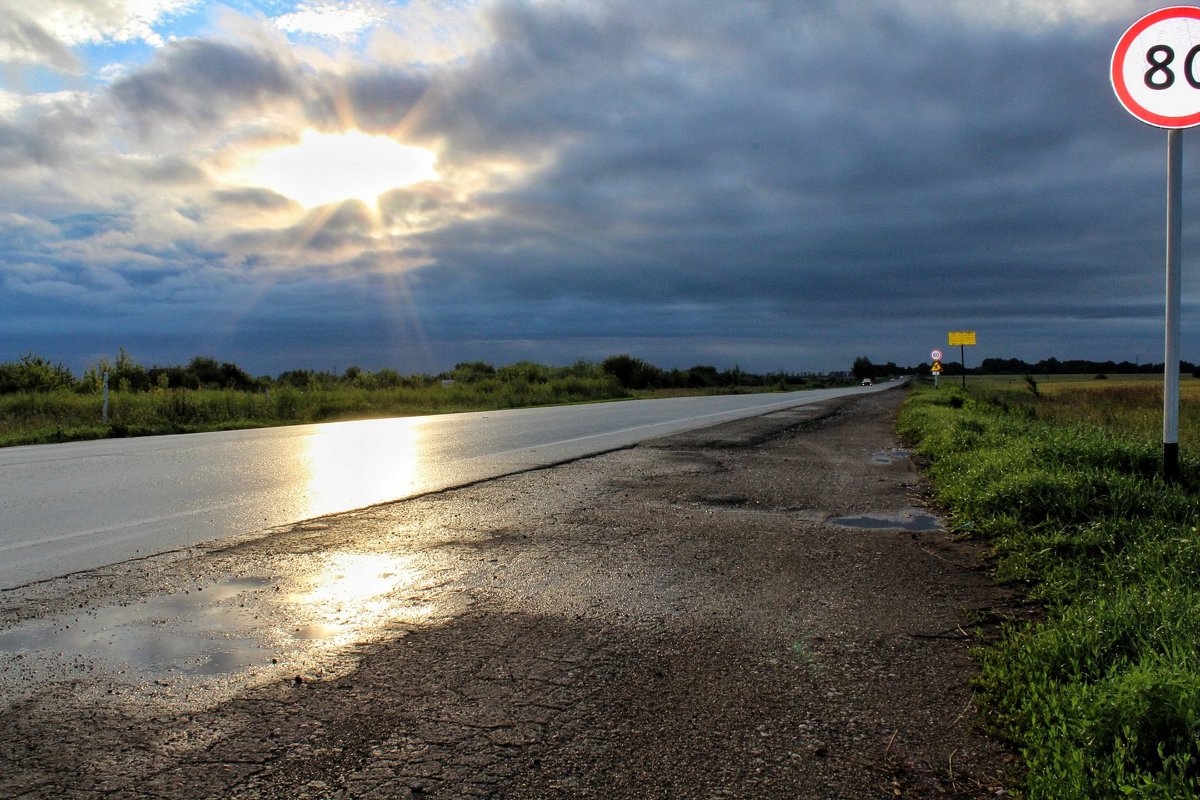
331, 167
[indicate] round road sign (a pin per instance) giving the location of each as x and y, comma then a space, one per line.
936, 355
1156, 68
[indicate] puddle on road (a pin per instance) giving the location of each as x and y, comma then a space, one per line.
915, 522
230, 626
201, 632
889, 456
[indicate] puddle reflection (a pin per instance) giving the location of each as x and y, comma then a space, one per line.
916, 523
353, 592
359, 464
885, 457
193, 632
233, 625
318, 604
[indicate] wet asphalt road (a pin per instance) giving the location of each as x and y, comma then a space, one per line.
720, 613
81, 505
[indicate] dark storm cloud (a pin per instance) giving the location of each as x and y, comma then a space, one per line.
798, 157
261, 199
44, 135
375, 100
167, 170
202, 82
20, 147
776, 184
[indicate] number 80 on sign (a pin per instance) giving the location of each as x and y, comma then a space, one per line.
1156, 68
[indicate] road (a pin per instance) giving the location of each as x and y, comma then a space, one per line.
699, 616
71, 507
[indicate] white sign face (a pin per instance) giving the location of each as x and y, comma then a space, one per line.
1156, 68
936, 355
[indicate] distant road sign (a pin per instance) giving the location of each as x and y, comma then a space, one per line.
1156, 68
961, 338
936, 355
936, 369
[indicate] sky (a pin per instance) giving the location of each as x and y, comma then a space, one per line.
767, 184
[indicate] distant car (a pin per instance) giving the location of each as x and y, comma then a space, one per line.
867, 381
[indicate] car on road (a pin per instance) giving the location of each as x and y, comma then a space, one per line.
867, 382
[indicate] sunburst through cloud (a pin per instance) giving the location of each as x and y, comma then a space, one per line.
325, 168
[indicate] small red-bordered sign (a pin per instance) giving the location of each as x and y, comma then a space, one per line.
936, 355
1156, 68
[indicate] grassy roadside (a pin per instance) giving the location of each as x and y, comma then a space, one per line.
65, 415
41, 417
1102, 695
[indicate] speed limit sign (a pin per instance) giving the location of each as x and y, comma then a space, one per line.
1155, 72
1156, 68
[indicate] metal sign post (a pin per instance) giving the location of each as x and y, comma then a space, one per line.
1155, 73
1171, 346
962, 339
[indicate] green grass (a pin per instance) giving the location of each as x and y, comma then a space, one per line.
1102, 695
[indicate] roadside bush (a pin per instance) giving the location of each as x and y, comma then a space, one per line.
32, 373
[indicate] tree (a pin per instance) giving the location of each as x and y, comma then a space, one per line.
472, 371
632, 373
863, 368
126, 375
702, 376
34, 374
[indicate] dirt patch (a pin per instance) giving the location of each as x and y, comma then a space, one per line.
681, 619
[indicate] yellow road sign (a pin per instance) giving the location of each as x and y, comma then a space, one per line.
936, 368
961, 337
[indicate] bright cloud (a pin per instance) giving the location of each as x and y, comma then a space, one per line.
430, 32
74, 22
342, 21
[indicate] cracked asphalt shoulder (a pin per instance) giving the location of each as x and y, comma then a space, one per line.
701, 616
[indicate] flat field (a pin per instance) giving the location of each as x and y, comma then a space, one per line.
1126, 404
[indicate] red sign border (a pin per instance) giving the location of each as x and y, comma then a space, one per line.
1117, 77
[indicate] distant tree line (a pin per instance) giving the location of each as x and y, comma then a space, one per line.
1052, 366
634, 373
863, 368
32, 373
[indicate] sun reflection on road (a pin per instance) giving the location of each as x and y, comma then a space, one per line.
355, 592
358, 464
